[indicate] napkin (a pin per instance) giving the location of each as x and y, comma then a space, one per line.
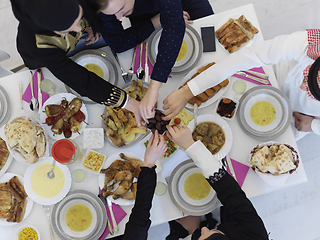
119, 214
259, 70
27, 94
137, 59
240, 171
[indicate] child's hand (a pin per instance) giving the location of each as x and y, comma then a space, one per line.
180, 135
156, 148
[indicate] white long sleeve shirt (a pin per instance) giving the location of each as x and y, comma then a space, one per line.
289, 52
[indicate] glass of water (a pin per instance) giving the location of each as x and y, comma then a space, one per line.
47, 86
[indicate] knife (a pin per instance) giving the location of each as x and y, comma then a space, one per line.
103, 199
114, 223
231, 167
146, 67
265, 76
243, 74
39, 90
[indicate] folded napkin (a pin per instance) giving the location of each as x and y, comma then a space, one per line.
27, 94
259, 70
137, 59
240, 171
119, 214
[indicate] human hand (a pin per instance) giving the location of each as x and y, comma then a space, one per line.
91, 38
180, 135
147, 103
186, 17
176, 101
190, 223
133, 106
156, 148
303, 122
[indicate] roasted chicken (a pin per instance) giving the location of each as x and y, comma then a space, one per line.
136, 163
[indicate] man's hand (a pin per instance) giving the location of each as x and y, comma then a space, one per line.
303, 122
147, 103
91, 38
186, 17
156, 148
176, 101
133, 106
180, 135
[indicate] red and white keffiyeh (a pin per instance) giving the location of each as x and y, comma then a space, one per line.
313, 52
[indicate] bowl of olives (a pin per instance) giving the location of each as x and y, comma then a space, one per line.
157, 123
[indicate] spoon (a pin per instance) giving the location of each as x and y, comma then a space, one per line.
195, 108
51, 174
33, 102
140, 71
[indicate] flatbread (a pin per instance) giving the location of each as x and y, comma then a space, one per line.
261, 158
4, 153
280, 164
41, 144
31, 157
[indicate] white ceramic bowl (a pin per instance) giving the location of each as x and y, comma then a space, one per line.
25, 226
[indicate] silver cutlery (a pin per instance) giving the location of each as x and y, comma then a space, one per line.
33, 102
39, 90
20, 93
146, 67
262, 75
47, 213
114, 223
50, 174
140, 71
195, 108
229, 165
123, 72
103, 199
130, 71
243, 74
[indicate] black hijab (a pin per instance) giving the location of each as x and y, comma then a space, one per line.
313, 79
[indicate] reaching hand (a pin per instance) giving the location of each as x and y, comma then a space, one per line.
303, 122
156, 148
176, 101
186, 17
147, 103
180, 135
91, 38
133, 106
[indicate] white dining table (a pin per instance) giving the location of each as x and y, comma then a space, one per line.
163, 210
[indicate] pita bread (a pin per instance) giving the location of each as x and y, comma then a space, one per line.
31, 157
280, 164
28, 135
261, 158
285, 149
41, 144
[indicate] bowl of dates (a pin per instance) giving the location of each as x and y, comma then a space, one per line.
157, 123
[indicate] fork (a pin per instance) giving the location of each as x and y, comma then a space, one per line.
47, 213
263, 81
123, 72
130, 71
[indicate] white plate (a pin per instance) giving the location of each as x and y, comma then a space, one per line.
211, 99
16, 155
56, 99
179, 197
163, 159
47, 201
88, 169
235, 110
64, 225
25, 226
235, 17
193, 55
5, 178
225, 127
107, 163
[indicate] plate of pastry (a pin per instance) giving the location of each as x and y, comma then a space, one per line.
235, 31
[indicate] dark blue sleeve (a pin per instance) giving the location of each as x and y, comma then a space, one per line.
120, 39
172, 22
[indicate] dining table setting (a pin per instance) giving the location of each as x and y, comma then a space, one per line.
75, 136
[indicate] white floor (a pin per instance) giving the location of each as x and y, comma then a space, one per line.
291, 214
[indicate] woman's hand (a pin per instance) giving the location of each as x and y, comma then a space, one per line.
176, 101
186, 17
303, 122
91, 38
156, 148
180, 135
133, 106
147, 103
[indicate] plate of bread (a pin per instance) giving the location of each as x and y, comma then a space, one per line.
235, 31
15, 205
26, 139
210, 95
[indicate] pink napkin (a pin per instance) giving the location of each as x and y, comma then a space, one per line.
259, 70
27, 94
137, 60
240, 171
119, 214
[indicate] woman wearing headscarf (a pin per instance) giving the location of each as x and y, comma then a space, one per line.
297, 70
48, 30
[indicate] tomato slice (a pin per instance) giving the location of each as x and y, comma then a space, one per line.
177, 121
